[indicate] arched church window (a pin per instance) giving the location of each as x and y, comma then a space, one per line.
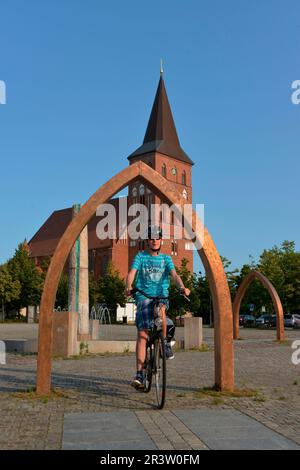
174, 173
164, 170
183, 177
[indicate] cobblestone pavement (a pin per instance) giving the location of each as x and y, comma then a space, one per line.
101, 383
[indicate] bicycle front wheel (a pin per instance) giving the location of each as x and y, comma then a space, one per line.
148, 365
160, 373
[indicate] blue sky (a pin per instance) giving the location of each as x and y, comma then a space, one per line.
81, 78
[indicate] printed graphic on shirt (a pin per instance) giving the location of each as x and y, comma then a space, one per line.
152, 274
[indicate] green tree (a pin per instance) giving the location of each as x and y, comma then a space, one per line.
111, 289
93, 291
178, 304
62, 293
232, 275
10, 289
282, 266
22, 268
256, 294
203, 293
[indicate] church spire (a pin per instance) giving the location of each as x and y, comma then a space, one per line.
161, 135
161, 68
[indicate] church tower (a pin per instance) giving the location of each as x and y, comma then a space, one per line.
162, 151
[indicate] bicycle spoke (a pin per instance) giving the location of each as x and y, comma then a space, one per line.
148, 368
160, 371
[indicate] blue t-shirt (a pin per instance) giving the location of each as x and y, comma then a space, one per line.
152, 275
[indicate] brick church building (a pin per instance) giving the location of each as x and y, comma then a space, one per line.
162, 151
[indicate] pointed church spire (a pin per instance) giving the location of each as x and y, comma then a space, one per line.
161, 135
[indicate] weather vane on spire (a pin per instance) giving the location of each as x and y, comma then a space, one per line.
161, 67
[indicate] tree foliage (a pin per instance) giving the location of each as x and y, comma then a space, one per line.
10, 289
22, 268
21, 284
178, 304
111, 289
62, 294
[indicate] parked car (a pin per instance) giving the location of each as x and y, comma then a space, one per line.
266, 321
292, 321
297, 321
247, 320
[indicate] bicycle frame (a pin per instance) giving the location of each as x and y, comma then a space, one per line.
155, 360
155, 364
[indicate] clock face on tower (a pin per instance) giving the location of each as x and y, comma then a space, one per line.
173, 171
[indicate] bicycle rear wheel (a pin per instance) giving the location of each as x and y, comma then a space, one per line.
160, 371
148, 367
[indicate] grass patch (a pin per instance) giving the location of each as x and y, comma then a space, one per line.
83, 348
295, 382
55, 394
217, 401
236, 393
259, 397
126, 349
203, 348
13, 320
76, 357
283, 342
282, 397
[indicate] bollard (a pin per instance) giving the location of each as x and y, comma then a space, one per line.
193, 336
30, 314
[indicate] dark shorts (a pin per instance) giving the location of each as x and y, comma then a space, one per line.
144, 314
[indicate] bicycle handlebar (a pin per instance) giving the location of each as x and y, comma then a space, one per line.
135, 289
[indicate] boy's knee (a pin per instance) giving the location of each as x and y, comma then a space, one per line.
142, 334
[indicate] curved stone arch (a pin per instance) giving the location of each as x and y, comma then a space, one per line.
275, 298
223, 320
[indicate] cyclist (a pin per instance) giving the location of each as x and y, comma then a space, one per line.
150, 270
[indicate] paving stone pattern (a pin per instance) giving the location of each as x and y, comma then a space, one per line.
101, 384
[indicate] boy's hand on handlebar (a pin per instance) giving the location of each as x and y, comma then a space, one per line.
185, 291
128, 291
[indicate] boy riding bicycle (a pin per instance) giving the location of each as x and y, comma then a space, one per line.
150, 270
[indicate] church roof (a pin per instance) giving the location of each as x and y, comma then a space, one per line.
161, 135
46, 239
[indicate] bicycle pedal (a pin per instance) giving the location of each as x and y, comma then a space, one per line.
172, 343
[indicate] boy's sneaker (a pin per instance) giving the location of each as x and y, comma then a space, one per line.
169, 352
138, 381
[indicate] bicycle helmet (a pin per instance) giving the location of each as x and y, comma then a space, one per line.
154, 232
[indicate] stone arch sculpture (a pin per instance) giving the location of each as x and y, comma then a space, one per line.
275, 298
223, 320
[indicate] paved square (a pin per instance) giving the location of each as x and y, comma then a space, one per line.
196, 429
105, 431
232, 430
101, 385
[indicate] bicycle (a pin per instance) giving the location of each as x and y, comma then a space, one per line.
155, 360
